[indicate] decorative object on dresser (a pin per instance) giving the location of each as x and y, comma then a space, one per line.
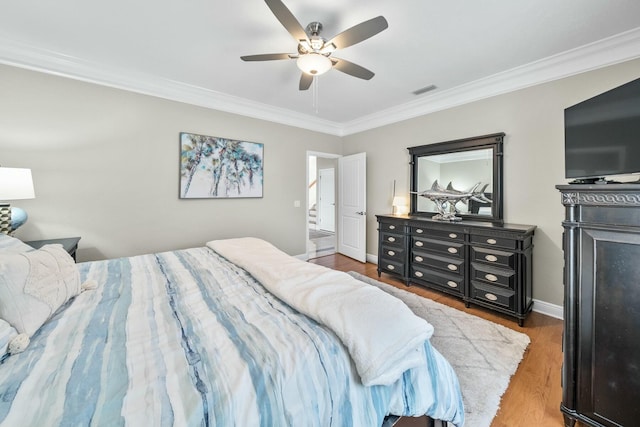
463, 163
601, 341
482, 263
398, 203
446, 199
69, 244
15, 184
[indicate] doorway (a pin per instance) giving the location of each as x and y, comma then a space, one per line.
321, 206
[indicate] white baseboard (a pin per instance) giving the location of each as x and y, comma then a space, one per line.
548, 309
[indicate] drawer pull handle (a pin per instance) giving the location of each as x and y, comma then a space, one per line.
491, 297
491, 258
418, 274
419, 258
491, 241
392, 227
452, 250
391, 239
491, 277
452, 267
390, 267
452, 284
453, 235
420, 244
419, 230
391, 253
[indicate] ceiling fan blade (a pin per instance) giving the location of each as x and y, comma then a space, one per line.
352, 69
266, 57
359, 32
305, 81
287, 19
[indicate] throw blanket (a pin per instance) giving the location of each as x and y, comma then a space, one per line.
382, 335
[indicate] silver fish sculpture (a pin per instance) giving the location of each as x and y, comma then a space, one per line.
446, 199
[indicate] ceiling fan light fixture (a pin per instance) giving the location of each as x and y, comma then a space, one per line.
314, 64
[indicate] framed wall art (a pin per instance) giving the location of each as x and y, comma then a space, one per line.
217, 168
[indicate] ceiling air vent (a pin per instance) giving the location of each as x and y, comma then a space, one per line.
424, 90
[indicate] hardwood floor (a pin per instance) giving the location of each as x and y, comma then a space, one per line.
534, 393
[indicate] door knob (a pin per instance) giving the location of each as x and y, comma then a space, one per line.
361, 213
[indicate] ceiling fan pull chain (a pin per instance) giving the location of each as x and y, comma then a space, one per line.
315, 94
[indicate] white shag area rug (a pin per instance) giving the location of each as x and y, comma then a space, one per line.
484, 354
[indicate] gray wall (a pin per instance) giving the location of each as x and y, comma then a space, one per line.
533, 162
105, 165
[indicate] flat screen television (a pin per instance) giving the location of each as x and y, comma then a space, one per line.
602, 135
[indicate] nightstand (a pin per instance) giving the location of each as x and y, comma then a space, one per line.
70, 244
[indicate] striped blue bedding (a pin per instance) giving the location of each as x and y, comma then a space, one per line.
185, 338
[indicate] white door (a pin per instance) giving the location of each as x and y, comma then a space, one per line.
327, 200
352, 202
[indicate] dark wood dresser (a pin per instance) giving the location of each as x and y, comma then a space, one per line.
480, 262
601, 340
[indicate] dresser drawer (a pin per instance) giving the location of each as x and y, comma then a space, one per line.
438, 234
450, 265
445, 281
493, 257
498, 242
392, 253
454, 249
391, 227
391, 265
491, 294
392, 239
495, 276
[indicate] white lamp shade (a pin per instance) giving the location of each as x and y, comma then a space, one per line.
314, 64
16, 184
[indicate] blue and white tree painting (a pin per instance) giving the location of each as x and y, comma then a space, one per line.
212, 167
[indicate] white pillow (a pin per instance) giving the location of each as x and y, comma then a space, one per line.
33, 285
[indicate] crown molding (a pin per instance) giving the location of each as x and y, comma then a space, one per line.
613, 50
609, 51
34, 58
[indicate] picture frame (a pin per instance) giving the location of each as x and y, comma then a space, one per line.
213, 167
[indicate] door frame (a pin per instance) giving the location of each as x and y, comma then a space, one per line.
306, 195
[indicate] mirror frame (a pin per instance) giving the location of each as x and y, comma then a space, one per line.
493, 142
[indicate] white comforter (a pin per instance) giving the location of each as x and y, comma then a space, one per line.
383, 337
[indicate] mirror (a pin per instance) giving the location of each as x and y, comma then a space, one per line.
457, 180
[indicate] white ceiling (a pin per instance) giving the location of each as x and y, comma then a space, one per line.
189, 51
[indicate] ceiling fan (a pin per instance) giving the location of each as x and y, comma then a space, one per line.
314, 52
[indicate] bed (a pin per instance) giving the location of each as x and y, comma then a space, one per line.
188, 338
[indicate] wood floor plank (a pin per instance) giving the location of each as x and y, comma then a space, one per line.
534, 393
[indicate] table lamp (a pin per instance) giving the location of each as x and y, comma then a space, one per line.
15, 184
399, 205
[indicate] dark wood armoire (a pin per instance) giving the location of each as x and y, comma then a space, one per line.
601, 341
